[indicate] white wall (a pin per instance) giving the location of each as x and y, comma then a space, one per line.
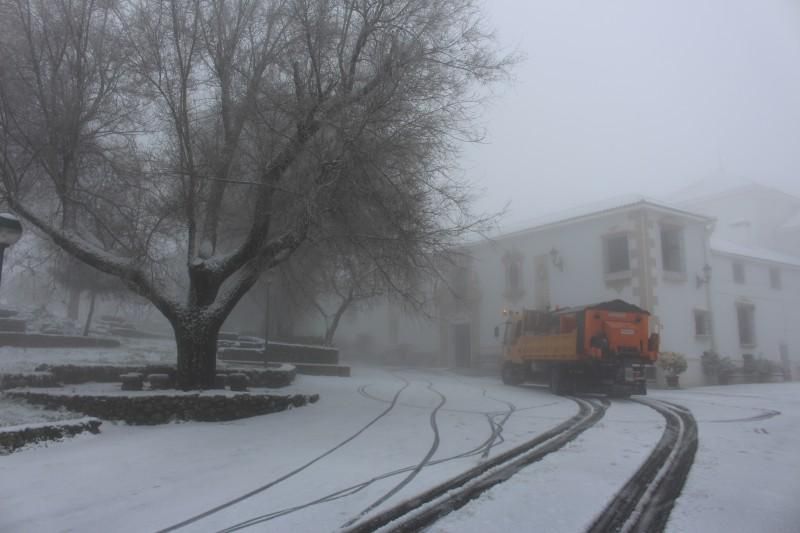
582, 280
777, 316
678, 295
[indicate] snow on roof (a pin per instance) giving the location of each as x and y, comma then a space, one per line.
712, 188
751, 252
587, 210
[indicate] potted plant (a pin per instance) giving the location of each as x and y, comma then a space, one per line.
712, 367
673, 364
768, 371
727, 369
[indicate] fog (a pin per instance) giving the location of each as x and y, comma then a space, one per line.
638, 97
236, 224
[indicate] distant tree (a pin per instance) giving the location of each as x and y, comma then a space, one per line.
331, 281
79, 278
208, 140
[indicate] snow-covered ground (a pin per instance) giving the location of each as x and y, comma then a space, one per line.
18, 412
746, 475
332, 460
567, 489
132, 351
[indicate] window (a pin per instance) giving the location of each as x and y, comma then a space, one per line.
702, 323
745, 314
672, 249
738, 272
617, 254
514, 283
513, 277
775, 277
460, 282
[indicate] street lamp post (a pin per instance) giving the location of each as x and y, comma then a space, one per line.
267, 317
10, 232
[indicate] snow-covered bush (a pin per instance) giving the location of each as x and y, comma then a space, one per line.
766, 369
673, 363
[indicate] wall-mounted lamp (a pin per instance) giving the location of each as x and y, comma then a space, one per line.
556, 259
705, 277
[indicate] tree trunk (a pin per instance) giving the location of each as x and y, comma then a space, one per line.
196, 337
74, 304
92, 298
330, 331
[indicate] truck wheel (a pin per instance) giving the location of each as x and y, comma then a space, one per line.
555, 381
512, 373
561, 383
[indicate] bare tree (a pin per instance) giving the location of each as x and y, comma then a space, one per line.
329, 280
209, 139
78, 277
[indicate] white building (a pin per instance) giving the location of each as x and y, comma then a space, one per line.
756, 272
664, 258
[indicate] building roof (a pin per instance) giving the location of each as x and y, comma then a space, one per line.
751, 252
706, 190
583, 212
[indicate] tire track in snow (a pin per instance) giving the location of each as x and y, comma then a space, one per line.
294, 472
425, 508
644, 503
495, 438
417, 469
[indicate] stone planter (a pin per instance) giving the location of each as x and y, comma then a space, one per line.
673, 382
132, 381
159, 381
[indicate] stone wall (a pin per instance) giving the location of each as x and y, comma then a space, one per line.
160, 409
13, 325
284, 353
28, 379
41, 340
16, 437
276, 377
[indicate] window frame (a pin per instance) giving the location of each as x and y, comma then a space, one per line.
705, 316
739, 266
616, 274
751, 309
514, 270
680, 249
775, 278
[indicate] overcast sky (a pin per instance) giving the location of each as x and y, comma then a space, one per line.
635, 96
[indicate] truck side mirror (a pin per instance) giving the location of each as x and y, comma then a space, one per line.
496, 332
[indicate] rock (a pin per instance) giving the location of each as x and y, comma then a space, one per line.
238, 382
159, 381
132, 381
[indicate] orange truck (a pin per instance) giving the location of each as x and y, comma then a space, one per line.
602, 348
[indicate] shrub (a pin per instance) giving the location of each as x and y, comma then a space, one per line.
726, 369
712, 363
673, 363
764, 369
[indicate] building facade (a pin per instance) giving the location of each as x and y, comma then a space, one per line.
664, 258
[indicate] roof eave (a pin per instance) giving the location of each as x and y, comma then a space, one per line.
589, 216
